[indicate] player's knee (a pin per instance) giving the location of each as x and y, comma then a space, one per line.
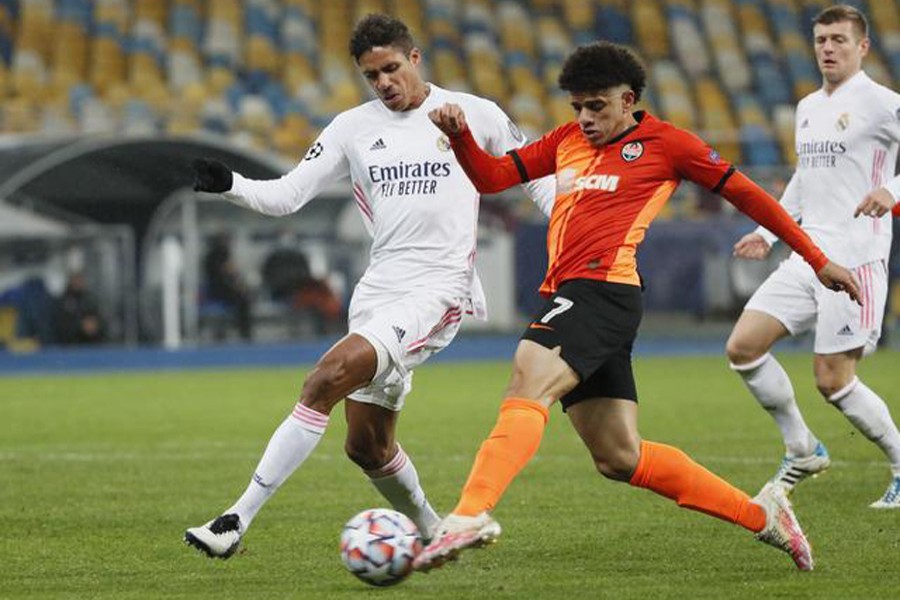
829, 384
366, 453
741, 351
320, 385
618, 465
539, 385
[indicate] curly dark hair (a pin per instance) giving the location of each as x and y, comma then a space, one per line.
380, 30
601, 65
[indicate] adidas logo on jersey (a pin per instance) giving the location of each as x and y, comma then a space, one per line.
845, 330
607, 183
401, 333
378, 145
804, 124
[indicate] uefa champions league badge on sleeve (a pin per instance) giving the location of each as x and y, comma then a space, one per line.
315, 151
714, 156
515, 131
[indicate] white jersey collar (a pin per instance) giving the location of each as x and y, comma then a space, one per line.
857, 80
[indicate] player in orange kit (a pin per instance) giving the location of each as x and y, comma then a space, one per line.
615, 169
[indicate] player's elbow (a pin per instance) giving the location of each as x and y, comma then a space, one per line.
487, 186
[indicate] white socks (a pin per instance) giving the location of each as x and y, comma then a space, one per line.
289, 447
398, 482
771, 386
868, 413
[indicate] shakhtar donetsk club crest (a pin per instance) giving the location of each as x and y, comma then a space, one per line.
632, 151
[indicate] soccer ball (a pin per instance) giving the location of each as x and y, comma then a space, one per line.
378, 546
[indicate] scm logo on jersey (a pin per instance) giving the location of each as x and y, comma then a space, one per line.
606, 183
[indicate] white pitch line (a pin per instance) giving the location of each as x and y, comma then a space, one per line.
170, 455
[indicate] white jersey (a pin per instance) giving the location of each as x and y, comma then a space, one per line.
846, 147
414, 197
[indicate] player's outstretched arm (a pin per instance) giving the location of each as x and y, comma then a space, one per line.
839, 279
489, 174
753, 201
211, 176
753, 246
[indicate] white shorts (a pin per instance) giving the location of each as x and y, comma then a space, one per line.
408, 329
794, 296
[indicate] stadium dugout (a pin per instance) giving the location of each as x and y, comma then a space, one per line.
97, 197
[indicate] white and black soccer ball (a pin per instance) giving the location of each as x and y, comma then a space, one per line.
378, 546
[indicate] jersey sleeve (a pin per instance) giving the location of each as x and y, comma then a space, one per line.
889, 103
790, 201
506, 136
754, 202
694, 160
325, 164
491, 174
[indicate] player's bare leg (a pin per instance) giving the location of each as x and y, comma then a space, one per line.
837, 381
748, 351
371, 444
347, 366
537, 373
608, 428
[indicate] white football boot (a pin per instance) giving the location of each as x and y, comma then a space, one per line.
891, 498
219, 538
782, 529
793, 470
455, 534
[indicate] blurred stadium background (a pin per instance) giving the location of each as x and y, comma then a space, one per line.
103, 104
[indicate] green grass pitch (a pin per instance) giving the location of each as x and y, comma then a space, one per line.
100, 474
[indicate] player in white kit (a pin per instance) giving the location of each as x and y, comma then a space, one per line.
421, 210
843, 191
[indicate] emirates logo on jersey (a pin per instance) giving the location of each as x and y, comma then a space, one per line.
632, 151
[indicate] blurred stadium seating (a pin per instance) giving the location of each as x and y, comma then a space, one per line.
268, 74
258, 79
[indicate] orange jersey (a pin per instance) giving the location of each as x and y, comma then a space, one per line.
608, 196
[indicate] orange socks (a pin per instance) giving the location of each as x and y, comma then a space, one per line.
513, 441
671, 473
666, 470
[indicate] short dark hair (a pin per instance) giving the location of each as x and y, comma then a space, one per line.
601, 65
375, 30
844, 12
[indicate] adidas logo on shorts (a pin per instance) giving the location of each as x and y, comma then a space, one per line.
400, 333
845, 330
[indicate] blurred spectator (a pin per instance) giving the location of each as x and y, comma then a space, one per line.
33, 305
77, 318
224, 284
288, 278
